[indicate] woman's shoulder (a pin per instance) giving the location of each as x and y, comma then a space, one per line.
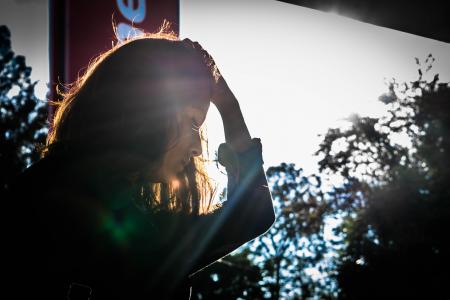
33, 176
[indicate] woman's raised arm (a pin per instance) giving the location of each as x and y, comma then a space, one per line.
248, 211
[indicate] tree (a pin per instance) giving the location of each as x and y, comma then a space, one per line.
396, 195
22, 115
295, 245
233, 277
280, 263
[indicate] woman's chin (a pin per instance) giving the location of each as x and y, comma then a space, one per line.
170, 177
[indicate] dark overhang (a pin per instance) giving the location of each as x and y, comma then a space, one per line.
429, 18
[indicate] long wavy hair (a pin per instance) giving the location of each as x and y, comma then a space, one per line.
121, 110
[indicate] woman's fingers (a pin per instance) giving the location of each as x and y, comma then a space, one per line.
194, 45
187, 41
220, 90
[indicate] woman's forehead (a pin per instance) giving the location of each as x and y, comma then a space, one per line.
193, 90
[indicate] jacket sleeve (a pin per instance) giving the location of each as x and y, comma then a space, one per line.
246, 214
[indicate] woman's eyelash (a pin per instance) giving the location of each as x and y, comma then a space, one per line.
195, 126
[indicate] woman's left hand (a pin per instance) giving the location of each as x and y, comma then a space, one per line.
221, 94
236, 131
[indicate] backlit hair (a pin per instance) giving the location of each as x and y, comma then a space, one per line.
119, 111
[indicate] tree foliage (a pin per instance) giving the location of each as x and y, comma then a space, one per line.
396, 241
284, 259
233, 277
22, 115
295, 245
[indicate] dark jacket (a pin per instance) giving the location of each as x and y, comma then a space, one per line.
63, 241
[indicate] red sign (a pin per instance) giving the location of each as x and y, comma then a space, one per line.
82, 29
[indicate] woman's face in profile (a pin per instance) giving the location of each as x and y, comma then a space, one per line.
189, 82
184, 142
186, 145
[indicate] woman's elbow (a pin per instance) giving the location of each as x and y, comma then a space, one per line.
264, 221
267, 213
268, 220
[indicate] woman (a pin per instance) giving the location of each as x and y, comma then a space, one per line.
119, 207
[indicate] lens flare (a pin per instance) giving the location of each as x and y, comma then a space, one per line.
175, 184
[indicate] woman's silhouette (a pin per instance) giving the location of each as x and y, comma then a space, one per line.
119, 207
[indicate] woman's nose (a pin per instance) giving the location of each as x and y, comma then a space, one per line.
196, 152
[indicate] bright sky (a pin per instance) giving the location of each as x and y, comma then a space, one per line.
295, 71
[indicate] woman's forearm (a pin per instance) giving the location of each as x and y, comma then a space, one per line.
235, 129
251, 197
